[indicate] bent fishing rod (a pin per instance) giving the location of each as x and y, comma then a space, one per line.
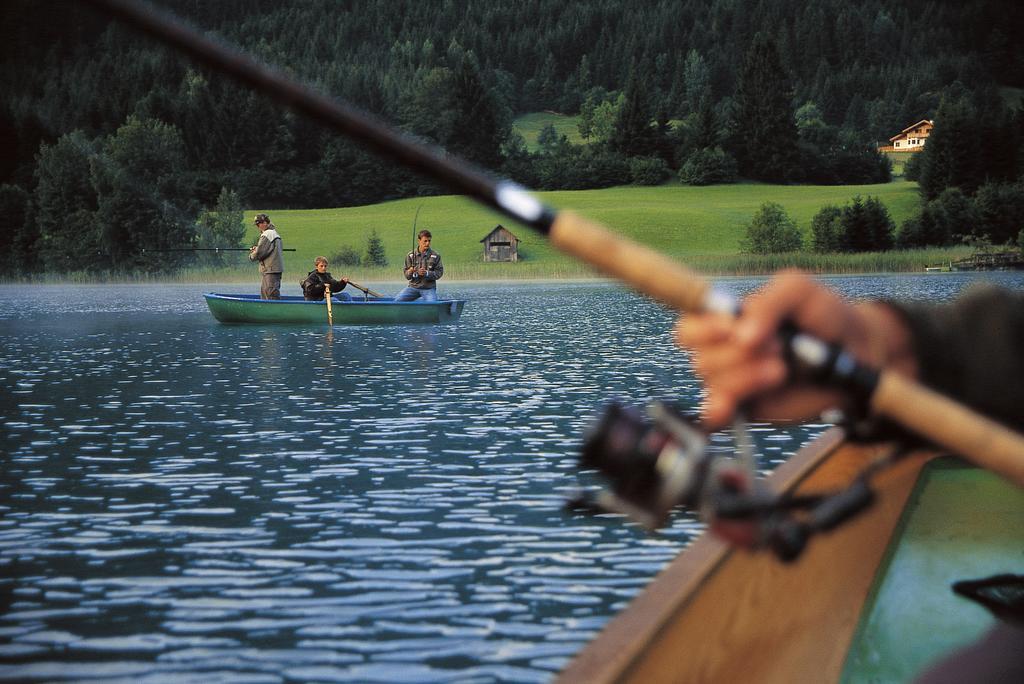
943, 421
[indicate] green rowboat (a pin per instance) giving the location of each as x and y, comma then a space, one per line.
868, 602
245, 308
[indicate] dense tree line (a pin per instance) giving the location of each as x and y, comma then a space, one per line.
711, 90
971, 174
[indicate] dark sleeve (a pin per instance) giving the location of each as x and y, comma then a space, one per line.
973, 350
337, 285
437, 271
408, 265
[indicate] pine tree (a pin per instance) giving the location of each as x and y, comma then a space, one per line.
632, 135
477, 129
14, 207
866, 226
144, 203
765, 133
697, 80
827, 230
223, 227
951, 155
375, 255
65, 202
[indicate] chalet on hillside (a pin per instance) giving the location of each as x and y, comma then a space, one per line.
501, 245
910, 139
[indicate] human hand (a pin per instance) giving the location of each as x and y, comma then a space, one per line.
345, 280
422, 271
741, 359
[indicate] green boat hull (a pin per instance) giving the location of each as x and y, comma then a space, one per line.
960, 523
230, 308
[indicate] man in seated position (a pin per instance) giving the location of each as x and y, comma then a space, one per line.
319, 279
423, 268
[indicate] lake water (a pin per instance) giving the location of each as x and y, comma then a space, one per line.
188, 501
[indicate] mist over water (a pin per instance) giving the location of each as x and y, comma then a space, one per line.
183, 500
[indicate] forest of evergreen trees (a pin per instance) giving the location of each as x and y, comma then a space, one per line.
112, 142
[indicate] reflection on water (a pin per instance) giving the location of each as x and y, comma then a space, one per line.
184, 500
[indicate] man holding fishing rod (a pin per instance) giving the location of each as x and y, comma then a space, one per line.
741, 358
268, 252
423, 268
970, 349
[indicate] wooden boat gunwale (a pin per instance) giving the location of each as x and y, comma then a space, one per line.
769, 625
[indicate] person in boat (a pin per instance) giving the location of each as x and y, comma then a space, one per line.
423, 268
319, 279
268, 252
969, 349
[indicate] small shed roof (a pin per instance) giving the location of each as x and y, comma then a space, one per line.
495, 230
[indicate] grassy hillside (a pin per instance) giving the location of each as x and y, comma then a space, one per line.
530, 125
899, 160
702, 226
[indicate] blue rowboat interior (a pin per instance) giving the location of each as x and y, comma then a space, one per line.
249, 308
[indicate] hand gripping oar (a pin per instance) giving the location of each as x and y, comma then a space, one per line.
943, 421
327, 298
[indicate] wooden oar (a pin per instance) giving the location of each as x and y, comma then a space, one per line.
365, 290
327, 297
951, 425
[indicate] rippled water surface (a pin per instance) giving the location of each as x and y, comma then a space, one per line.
188, 501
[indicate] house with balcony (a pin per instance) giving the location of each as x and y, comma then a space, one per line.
910, 139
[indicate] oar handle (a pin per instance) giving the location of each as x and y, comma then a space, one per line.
646, 270
365, 289
950, 425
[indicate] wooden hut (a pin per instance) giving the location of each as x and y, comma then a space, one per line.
501, 245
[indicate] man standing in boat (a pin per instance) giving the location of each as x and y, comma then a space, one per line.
423, 268
268, 252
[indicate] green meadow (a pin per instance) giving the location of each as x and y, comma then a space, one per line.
530, 125
702, 227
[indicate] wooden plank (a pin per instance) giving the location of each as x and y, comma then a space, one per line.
717, 614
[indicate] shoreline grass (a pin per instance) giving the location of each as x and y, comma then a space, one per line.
701, 227
897, 261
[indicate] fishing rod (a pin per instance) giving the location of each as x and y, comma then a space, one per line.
945, 422
206, 249
414, 219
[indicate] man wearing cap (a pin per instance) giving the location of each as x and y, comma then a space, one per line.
268, 252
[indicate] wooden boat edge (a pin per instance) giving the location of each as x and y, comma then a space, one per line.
632, 647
